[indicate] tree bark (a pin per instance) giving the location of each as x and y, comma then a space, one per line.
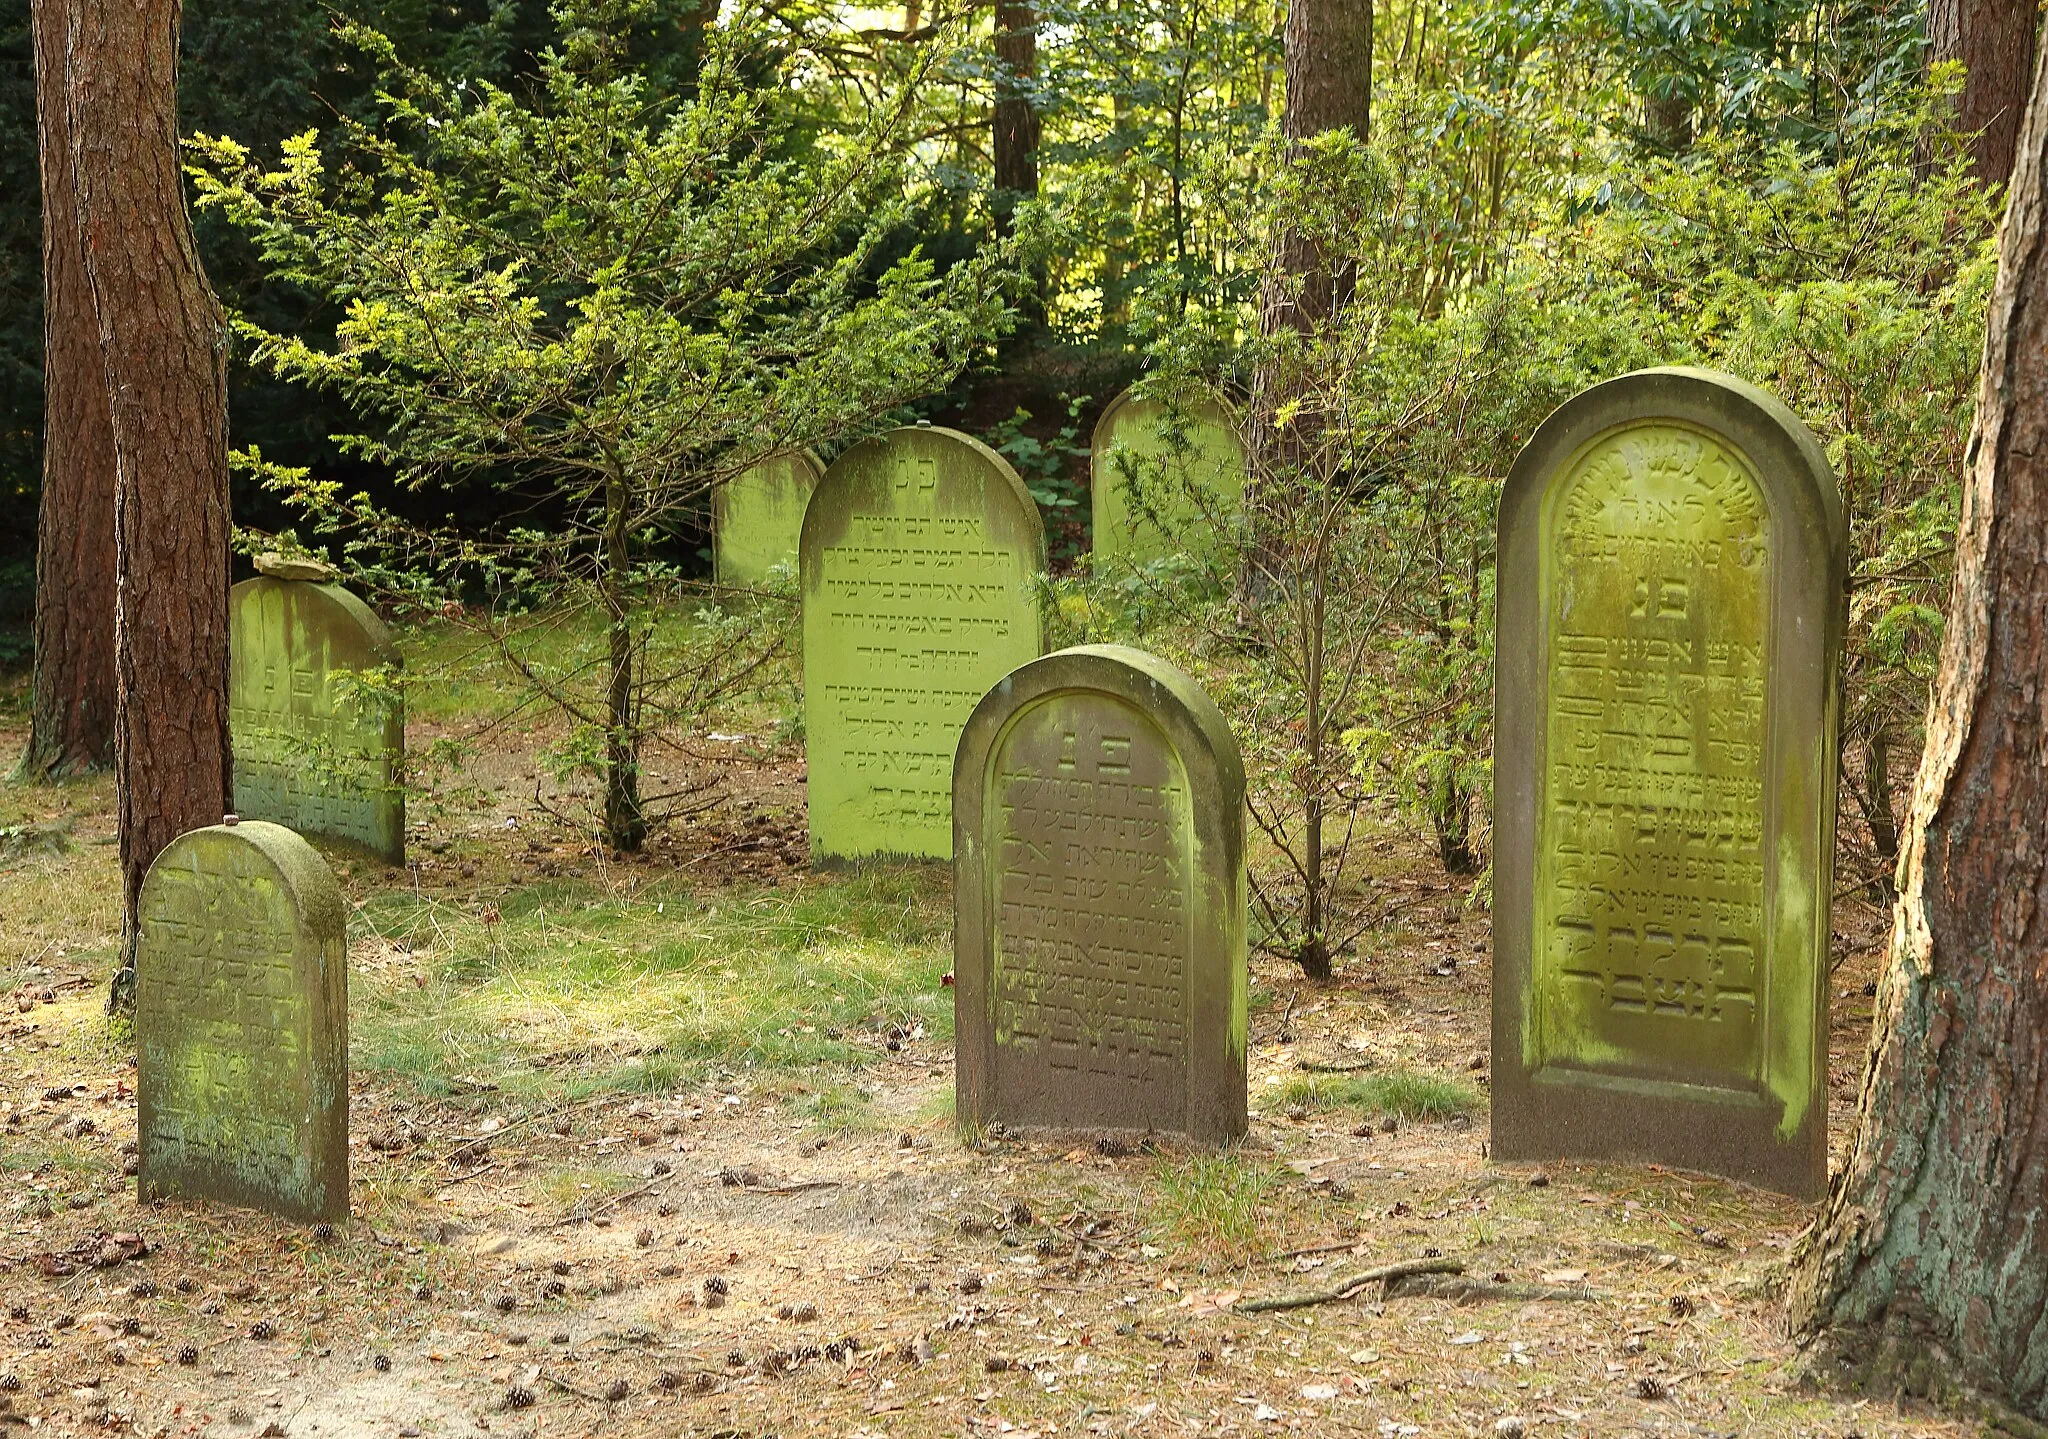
1328, 56
1936, 1231
1014, 140
71, 716
1994, 40
163, 367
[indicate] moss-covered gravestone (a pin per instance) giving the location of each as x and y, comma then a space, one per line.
1185, 467
1672, 550
318, 730
1099, 901
758, 518
921, 556
241, 1024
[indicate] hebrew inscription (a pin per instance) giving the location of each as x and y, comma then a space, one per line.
919, 593
1091, 957
242, 1025
1652, 878
1099, 902
318, 730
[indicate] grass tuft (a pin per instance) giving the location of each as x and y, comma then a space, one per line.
1398, 1093
1209, 1206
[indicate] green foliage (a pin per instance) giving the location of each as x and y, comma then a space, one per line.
601, 303
1852, 284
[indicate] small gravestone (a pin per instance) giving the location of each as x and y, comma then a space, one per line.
758, 518
241, 1024
1099, 902
1672, 553
922, 552
1163, 478
318, 729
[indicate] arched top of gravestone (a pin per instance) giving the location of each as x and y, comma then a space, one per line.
1213, 462
758, 516
1799, 484
308, 882
1129, 406
352, 631
1161, 690
863, 478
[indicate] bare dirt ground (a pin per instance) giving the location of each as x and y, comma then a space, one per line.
723, 1257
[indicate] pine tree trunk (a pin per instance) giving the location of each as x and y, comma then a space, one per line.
1994, 39
1932, 1240
1015, 137
1328, 49
71, 716
162, 364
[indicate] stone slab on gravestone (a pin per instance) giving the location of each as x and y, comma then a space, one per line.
1185, 466
319, 744
921, 558
757, 518
1669, 646
241, 1024
1099, 902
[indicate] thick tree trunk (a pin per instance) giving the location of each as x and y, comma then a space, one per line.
162, 362
1936, 1231
1994, 39
1328, 49
71, 717
1328, 55
1015, 137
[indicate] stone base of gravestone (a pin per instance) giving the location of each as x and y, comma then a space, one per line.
1099, 902
317, 747
241, 1024
1672, 552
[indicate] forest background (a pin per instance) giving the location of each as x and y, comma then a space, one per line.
1546, 194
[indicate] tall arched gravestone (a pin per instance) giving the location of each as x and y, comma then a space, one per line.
921, 556
1099, 901
241, 1023
758, 518
1668, 659
314, 748
1188, 468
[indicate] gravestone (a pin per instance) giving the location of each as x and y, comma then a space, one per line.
758, 518
319, 744
241, 1023
1669, 646
1187, 467
1099, 902
921, 556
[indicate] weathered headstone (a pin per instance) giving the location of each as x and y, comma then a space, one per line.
1099, 901
241, 1023
319, 742
921, 556
1186, 466
758, 518
1672, 553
